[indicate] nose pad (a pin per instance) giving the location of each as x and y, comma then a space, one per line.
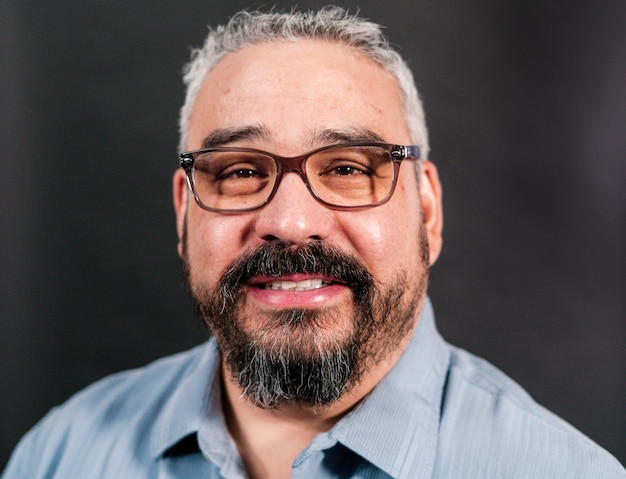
292, 165
293, 215
292, 168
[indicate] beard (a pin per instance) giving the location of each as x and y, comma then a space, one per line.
299, 356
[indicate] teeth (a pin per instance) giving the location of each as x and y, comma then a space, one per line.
305, 285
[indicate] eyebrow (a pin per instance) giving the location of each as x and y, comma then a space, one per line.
329, 136
226, 136
346, 135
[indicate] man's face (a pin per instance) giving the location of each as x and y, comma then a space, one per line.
289, 98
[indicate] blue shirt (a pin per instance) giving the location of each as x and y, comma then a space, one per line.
439, 413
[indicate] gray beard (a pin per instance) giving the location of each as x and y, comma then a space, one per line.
291, 359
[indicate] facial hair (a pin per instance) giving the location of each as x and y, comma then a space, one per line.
296, 356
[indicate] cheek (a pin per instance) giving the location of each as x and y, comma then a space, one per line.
213, 242
386, 245
387, 238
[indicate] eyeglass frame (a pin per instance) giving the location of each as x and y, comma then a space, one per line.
295, 164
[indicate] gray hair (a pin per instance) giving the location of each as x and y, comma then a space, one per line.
331, 24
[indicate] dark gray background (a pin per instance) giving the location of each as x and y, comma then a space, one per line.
526, 104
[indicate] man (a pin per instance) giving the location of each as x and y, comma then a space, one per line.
308, 217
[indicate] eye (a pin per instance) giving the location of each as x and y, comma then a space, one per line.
344, 167
241, 178
244, 173
346, 170
347, 162
234, 166
241, 172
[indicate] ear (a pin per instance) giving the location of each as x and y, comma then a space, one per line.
432, 207
181, 197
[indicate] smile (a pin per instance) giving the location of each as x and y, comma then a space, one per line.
304, 285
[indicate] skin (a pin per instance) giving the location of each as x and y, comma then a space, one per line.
295, 91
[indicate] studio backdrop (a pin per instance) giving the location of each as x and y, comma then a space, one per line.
525, 102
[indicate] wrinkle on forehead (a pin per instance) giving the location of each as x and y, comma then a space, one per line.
261, 134
255, 98
228, 136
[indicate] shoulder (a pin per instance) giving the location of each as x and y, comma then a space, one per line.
131, 393
118, 413
492, 422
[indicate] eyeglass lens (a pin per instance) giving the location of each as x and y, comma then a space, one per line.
344, 176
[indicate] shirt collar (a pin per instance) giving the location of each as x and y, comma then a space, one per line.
396, 426
186, 409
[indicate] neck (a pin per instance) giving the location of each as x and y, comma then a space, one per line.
269, 440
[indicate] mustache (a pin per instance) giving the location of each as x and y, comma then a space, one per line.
277, 258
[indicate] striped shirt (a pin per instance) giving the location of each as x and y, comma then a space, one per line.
439, 413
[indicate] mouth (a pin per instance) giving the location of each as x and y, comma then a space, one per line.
303, 285
297, 291
295, 287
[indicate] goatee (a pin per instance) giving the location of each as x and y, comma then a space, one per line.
297, 356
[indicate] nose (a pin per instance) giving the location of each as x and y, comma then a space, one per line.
293, 215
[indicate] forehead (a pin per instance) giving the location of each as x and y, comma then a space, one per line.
293, 90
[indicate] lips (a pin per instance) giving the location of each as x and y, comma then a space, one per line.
299, 290
287, 276
304, 285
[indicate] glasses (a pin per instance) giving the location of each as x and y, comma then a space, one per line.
346, 176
